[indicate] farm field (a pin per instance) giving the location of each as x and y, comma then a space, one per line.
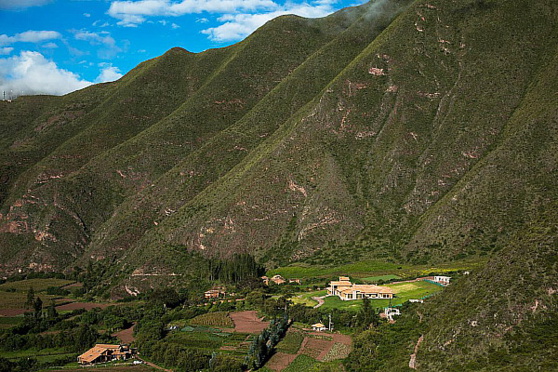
216, 319
375, 279
301, 350
307, 271
38, 285
41, 355
369, 270
115, 368
13, 303
8, 322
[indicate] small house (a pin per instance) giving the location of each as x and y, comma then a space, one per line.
278, 279
445, 280
319, 327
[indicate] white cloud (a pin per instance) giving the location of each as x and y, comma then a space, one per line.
5, 51
100, 23
109, 50
32, 73
21, 4
175, 26
238, 26
86, 15
29, 37
50, 45
108, 73
132, 13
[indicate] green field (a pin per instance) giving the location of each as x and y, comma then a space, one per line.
291, 342
375, 279
205, 338
306, 298
307, 271
301, 363
38, 285
8, 321
16, 300
373, 270
216, 319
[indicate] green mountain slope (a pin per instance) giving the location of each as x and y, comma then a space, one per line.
410, 131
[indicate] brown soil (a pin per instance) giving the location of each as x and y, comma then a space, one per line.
248, 322
316, 348
280, 361
126, 335
12, 312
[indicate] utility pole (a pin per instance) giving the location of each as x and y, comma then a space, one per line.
330, 327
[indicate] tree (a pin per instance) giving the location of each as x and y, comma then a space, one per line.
38, 307
51, 311
30, 298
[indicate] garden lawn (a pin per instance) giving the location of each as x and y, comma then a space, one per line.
305, 298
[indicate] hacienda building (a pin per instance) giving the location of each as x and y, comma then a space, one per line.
102, 353
349, 291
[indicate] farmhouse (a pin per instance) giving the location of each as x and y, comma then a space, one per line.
215, 293
349, 291
102, 353
277, 279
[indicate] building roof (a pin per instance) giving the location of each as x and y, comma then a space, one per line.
108, 346
340, 283
96, 351
318, 325
344, 279
368, 288
277, 277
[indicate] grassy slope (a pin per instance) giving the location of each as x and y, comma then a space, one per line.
313, 157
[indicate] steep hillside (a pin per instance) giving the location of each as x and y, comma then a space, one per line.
410, 131
504, 317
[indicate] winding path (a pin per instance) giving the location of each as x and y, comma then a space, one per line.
320, 301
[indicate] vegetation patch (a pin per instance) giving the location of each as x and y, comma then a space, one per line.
339, 350
216, 319
301, 363
376, 279
290, 344
308, 271
9, 321
38, 285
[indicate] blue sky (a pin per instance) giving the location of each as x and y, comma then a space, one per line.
58, 46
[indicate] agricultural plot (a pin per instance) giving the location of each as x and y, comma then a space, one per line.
376, 279
216, 319
115, 368
38, 285
8, 322
308, 271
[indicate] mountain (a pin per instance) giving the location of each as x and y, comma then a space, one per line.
409, 131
